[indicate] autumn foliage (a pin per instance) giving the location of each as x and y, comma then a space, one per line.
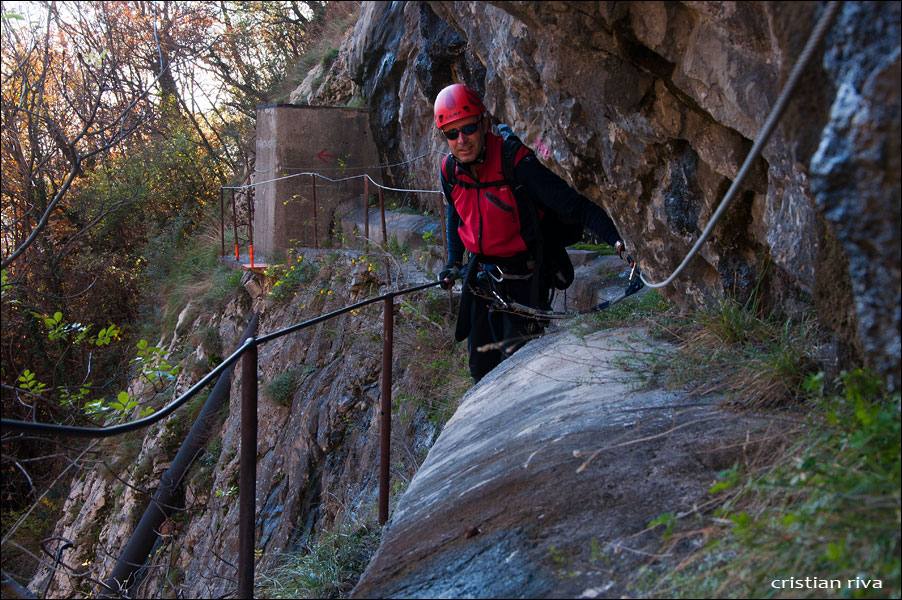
120, 122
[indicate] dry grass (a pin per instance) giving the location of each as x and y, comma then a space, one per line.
820, 498
727, 349
824, 503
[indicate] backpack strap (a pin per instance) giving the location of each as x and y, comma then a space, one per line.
449, 172
449, 176
512, 152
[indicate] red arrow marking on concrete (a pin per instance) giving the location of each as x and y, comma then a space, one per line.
325, 156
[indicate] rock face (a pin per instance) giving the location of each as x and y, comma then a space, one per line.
649, 109
318, 443
543, 483
856, 171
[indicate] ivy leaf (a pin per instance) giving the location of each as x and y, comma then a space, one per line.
835, 551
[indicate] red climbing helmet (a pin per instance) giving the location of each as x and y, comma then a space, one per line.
456, 102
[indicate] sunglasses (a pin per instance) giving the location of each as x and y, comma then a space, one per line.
466, 130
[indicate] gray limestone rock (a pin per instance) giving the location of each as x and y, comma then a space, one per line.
544, 481
649, 108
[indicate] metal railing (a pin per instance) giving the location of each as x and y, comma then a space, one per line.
247, 352
250, 188
134, 556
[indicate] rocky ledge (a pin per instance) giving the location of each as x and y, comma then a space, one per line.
545, 480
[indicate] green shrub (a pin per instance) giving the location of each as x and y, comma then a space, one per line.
397, 248
283, 386
208, 338
328, 58
290, 278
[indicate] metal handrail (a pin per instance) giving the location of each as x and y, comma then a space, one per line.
248, 455
105, 432
367, 180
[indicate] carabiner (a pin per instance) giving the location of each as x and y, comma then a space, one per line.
501, 273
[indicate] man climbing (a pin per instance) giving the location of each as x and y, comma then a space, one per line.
513, 215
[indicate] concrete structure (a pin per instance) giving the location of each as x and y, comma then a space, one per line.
294, 139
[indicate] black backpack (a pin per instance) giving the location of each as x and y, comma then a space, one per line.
546, 236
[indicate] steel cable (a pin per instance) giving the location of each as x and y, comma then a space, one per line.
773, 118
339, 180
104, 432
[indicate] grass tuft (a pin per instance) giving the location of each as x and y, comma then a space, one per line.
727, 349
187, 269
282, 387
327, 568
827, 509
602, 248
641, 307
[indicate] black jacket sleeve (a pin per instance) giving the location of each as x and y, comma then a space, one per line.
452, 222
552, 193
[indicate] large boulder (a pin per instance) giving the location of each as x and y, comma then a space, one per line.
544, 482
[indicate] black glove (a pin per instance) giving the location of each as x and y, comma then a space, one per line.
448, 276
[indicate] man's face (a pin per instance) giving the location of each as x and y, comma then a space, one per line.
466, 147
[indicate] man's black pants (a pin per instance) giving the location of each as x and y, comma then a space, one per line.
503, 331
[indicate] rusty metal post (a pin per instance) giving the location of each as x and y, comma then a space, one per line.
382, 210
388, 327
222, 220
132, 559
315, 239
247, 482
366, 212
250, 224
235, 226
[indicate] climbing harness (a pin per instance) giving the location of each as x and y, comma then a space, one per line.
490, 277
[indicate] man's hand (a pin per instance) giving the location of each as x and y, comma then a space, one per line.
620, 248
448, 276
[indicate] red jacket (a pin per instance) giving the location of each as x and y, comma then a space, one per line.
489, 216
